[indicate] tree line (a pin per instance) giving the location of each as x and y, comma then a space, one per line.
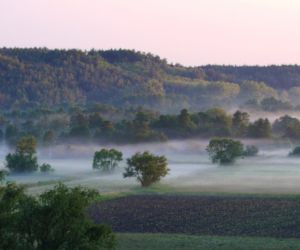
140, 125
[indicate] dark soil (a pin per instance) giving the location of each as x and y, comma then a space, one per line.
238, 216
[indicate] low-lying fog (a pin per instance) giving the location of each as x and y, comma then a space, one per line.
272, 171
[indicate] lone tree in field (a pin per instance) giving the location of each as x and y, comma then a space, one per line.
107, 159
147, 168
24, 159
224, 150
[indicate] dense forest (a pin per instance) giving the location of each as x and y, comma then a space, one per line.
31, 78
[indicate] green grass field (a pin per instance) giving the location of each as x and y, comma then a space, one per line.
185, 242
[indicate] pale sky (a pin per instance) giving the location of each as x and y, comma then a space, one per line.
190, 32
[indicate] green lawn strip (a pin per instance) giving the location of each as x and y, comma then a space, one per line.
158, 189
182, 242
162, 189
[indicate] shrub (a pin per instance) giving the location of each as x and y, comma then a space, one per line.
295, 152
46, 168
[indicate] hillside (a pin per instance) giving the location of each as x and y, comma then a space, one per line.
124, 78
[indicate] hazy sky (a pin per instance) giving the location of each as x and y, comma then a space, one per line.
191, 32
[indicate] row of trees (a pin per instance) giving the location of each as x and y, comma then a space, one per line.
149, 168
145, 126
146, 167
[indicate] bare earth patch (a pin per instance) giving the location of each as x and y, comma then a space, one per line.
201, 215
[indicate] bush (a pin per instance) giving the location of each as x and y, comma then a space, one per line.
147, 168
46, 168
224, 150
295, 152
3, 174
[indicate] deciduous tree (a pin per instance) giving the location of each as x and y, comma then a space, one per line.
146, 167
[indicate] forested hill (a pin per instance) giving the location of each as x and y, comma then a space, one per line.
34, 77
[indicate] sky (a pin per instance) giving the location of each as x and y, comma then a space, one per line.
189, 32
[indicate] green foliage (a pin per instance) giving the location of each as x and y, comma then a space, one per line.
46, 168
219, 122
250, 150
213, 122
11, 197
57, 219
11, 134
34, 77
21, 163
185, 121
79, 126
48, 138
294, 95
260, 129
287, 126
73, 94
141, 125
256, 90
107, 159
24, 158
224, 150
146, 167
273, 104
240, 123
95, 120
26, 145
2, 175
274, 76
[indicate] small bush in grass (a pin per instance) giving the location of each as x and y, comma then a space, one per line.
295, 152
46, 168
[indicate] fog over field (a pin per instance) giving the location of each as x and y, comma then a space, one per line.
271, 171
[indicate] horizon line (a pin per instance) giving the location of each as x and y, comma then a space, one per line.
153, 54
